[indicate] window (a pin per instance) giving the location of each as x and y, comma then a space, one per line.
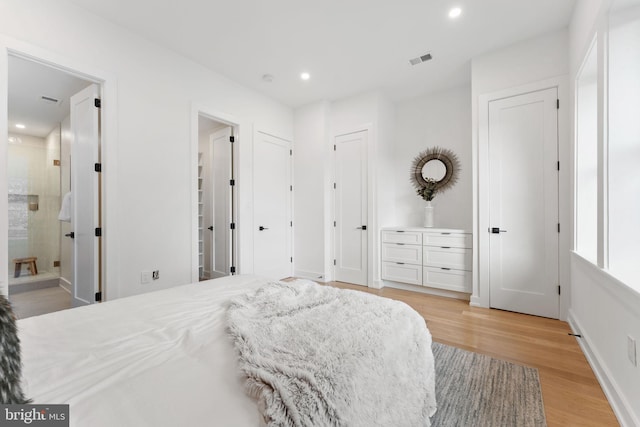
624, 144
587, 158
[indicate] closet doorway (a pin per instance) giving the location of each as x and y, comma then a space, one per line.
216, 197
54, 195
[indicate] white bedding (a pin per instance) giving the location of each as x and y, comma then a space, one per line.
158, 359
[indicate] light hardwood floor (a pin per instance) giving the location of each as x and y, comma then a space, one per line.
571, 393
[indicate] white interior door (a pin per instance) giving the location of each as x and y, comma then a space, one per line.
523, 217
272, 206
351, 238
85, 149
221, 151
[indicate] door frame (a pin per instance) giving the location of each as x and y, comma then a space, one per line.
234, 123
373, 251
108, 150
480, 154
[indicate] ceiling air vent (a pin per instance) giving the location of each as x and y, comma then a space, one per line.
419, 60
50, 100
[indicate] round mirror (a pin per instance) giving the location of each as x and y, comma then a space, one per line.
434, 169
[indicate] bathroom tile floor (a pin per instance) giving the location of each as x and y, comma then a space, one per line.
41, 301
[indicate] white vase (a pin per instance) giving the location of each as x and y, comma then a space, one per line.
428, 214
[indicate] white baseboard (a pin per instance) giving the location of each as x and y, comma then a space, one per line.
620, 405
426, 290
377, 284
310, 275
65, 284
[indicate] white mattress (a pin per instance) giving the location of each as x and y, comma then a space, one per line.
158, 359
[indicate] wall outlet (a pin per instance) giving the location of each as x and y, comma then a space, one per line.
156, 274
145, 277
631, 350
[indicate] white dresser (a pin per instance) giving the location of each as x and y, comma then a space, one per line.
432, 257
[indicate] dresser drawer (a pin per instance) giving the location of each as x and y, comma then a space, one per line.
451, 240
443, 278
407, 237
457, 258
405, 273
400, 252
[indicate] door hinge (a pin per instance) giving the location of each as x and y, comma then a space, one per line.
98, 296
334, 262
334, 223
558, 165
97, 167
558, 289
232, 138
291, 188
291, 152
233, 226
98, 232
290, 223
291, 259
334, 147
558, 227
557, 104
232, 182
97, 102
232, 269
334, 185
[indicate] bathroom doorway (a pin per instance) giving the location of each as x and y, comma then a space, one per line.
40, 207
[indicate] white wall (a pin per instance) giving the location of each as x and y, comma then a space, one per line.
376, 113
311, 177
603, 310
149, 165
441, 119
316, 127
522, 65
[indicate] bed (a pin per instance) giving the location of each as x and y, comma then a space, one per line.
167, 358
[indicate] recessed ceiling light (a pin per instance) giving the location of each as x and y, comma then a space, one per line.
20, 126
455, 12
305, 76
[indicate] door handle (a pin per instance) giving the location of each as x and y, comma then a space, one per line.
262, 228
364, 227
72, 235
496, 230
210, 228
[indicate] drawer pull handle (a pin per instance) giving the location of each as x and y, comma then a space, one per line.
445, 268
401, 263
400, 244
399, 231
445, 233
445, 247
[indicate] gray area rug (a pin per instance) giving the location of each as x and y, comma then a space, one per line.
477, 390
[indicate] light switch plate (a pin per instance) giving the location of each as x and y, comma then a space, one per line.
145, 277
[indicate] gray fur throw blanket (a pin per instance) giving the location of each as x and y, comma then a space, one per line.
315, 355
10, 364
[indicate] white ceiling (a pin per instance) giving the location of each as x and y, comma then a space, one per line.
348, 46
28, 82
